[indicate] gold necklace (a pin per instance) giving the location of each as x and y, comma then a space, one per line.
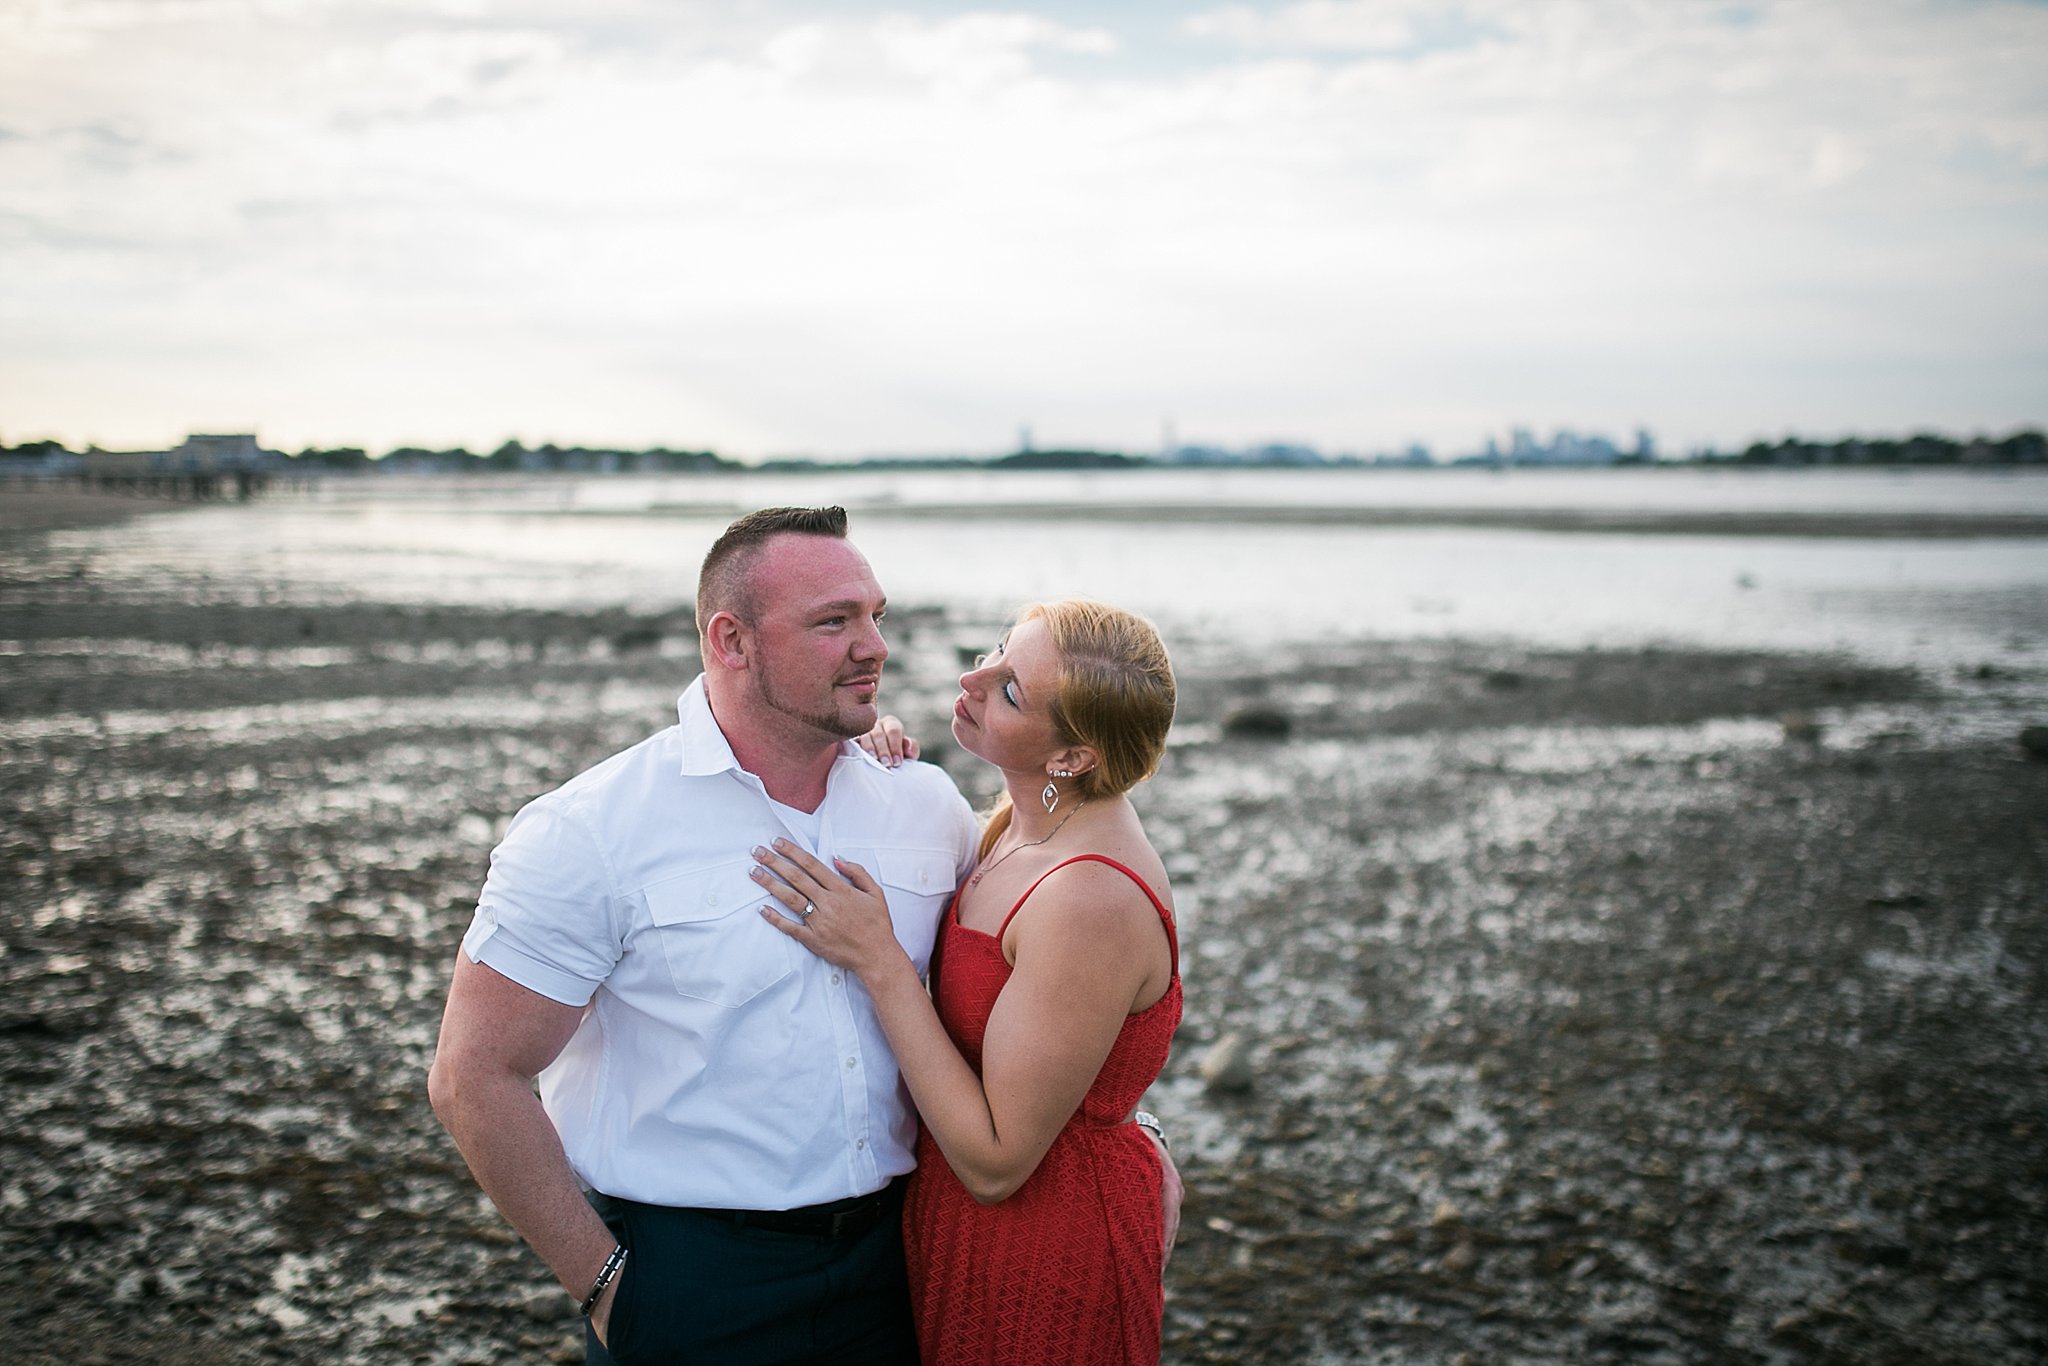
989, 867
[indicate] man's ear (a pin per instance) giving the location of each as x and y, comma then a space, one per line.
726, 641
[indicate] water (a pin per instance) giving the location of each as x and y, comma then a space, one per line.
1211, 555
1693, 489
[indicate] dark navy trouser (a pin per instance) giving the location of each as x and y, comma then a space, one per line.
700, 1289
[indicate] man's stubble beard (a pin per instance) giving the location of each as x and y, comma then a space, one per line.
827, 722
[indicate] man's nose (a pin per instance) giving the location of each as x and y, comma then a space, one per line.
872, 644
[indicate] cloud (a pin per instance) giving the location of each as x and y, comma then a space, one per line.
978, 51
443, 72
1339, 27
840, 227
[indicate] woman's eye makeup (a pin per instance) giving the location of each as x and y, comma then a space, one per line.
1009, 688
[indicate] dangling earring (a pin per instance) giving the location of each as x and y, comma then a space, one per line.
1051, 798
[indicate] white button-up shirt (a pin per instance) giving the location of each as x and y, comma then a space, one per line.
719, 1062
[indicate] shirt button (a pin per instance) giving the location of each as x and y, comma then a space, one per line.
860, 1145
835, 979
852, 1063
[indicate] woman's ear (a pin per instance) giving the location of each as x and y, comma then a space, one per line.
1075, 759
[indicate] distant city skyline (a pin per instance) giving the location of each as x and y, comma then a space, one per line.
794, 229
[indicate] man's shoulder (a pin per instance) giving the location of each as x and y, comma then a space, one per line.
914, 804
657, 755
912, 783
623, 810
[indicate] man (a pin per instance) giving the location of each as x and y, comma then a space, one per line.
727, 1100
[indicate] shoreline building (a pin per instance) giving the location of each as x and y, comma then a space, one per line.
204, 465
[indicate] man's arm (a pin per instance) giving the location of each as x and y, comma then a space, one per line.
1172, 1194
496, 1036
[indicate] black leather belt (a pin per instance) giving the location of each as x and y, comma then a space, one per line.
836, 1219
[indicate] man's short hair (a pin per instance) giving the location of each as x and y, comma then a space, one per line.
726, 582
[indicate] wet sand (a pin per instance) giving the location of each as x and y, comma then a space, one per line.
1643, 1006
28, 506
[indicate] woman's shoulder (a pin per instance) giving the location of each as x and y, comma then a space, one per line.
1105, 878
1098, 914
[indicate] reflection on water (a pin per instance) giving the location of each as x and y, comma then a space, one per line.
1950, 602
1688, 489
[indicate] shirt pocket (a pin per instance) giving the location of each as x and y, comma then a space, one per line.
918, 883
710, 930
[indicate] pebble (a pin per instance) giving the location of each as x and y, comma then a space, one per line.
1801, 727
545, 1304
1258, 721
1227, 1066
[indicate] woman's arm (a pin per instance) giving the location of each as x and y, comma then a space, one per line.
1089, 947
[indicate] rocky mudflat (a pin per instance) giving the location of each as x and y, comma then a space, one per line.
1599, 1006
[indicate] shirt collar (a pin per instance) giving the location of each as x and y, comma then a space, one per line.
706, 751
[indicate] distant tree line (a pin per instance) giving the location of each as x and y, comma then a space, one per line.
514, 456
1068, 460
2021, 448
35, 450
2026, 447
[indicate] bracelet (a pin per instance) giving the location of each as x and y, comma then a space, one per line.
604, 1278
1149, 1122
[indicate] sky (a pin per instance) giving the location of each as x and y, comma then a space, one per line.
779, 227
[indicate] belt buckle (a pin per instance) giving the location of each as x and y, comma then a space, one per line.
839, 1223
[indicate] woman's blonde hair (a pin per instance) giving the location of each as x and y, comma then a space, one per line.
1115, 696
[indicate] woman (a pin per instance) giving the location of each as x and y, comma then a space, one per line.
1033, 1222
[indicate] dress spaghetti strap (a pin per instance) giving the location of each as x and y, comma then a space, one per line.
1172, 937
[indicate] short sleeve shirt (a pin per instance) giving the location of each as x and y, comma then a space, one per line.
719, 1062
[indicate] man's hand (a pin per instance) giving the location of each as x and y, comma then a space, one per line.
601, 1314
1171, 1193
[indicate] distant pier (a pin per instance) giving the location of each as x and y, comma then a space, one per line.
205, 468
197, 486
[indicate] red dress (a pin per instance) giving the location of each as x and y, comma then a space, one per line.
1065, 1272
